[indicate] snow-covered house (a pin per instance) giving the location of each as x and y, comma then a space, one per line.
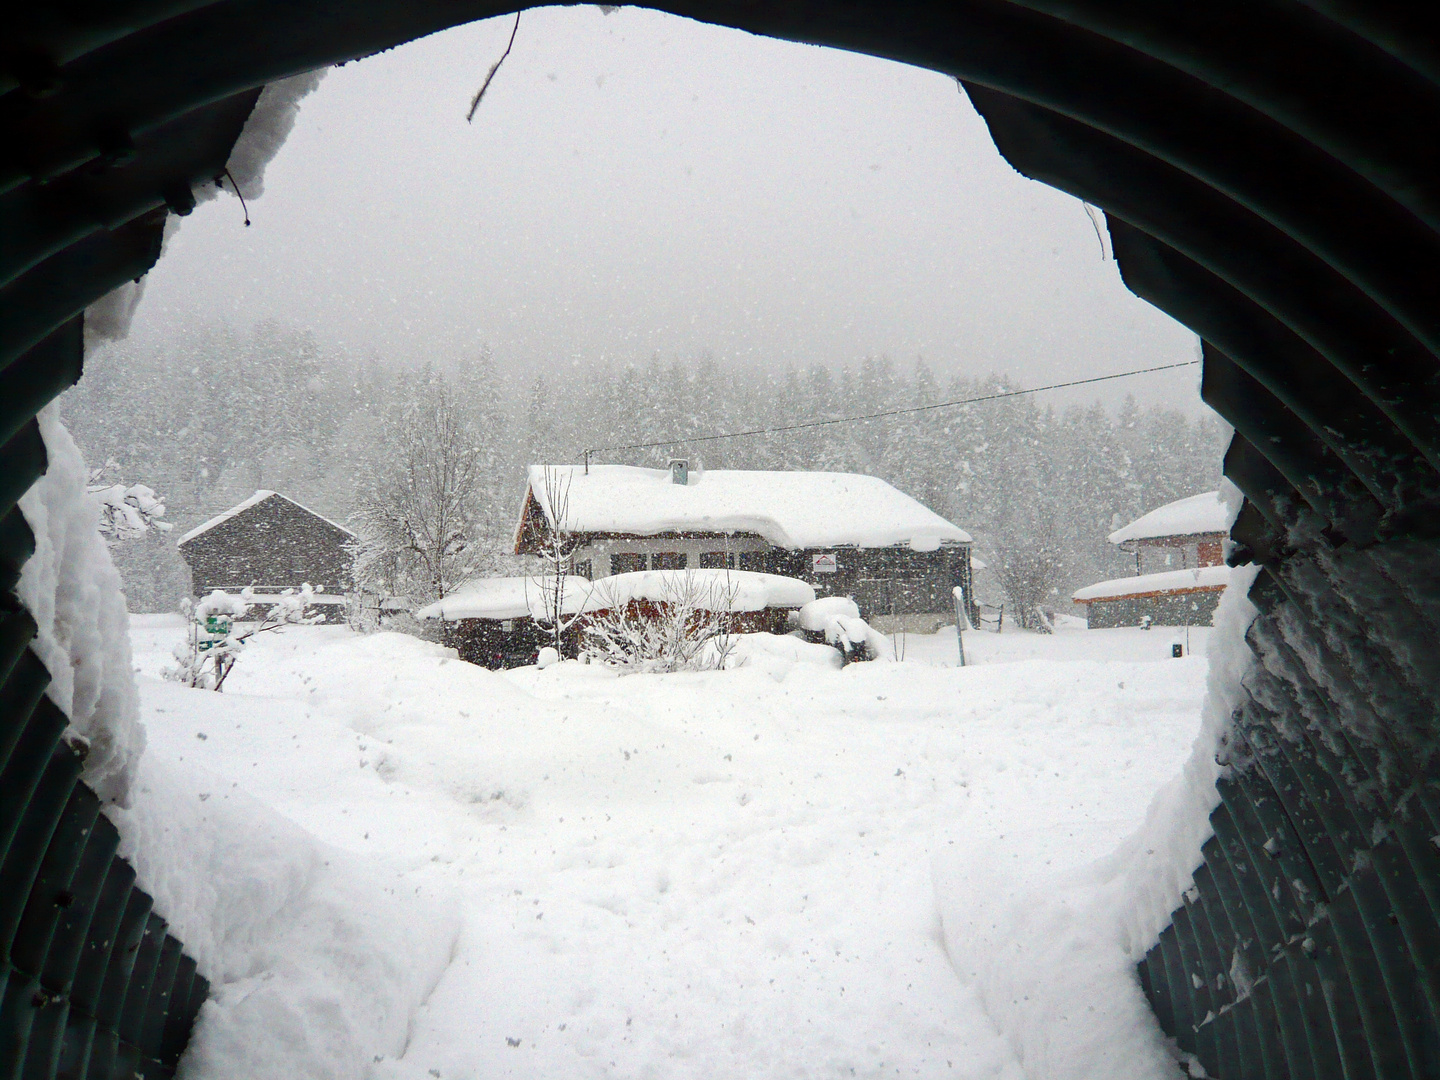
270, 543
1179, 569
1181, 535
845, 534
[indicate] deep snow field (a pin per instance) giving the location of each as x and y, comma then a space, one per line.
783, 870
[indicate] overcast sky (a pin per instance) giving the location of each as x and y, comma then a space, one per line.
636, 183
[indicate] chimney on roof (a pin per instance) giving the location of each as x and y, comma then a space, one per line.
680, 471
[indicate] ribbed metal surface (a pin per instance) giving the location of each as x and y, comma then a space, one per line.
91, 984
1313, 921
1270, 172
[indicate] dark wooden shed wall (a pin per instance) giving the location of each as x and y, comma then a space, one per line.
504, 643
275, 544
882, 581
1167, 609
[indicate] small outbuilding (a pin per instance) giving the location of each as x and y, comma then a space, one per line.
1179, 568
844, 534
270, 543
504, 622
493, 622
1171, 598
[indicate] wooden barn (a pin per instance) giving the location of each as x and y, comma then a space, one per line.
845, 534
270, 543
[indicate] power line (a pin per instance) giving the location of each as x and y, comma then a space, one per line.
886, 413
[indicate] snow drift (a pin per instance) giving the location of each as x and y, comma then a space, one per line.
1052, 946
317, 949
317, 959
72, 589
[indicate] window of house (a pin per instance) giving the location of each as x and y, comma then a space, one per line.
668, 560
624, 562
717, 560
583, 568
753, 560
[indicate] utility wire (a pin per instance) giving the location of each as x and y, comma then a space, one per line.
886, 413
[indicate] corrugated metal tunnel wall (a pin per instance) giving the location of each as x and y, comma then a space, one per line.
1270, 172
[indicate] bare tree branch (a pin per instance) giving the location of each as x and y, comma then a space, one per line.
475, 102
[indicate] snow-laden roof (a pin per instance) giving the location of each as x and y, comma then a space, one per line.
505, 598
1203, 579
1184, 517
791, 510
713, 590
253, 500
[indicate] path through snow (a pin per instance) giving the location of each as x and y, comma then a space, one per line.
701, 875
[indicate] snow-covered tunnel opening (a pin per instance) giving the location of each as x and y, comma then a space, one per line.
312, 948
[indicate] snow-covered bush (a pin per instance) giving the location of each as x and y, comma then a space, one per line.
836, 620
686, 627
213, 642
131, 520
127, 513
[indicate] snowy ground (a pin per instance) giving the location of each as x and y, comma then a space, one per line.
568, 874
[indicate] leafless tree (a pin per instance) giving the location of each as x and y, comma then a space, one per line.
1029, 566
557, 552
686, 626
420, 514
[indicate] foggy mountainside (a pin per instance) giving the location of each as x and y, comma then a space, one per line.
221, 412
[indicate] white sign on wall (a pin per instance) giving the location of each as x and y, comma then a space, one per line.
824, 564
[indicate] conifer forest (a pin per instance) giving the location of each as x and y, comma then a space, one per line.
209, 418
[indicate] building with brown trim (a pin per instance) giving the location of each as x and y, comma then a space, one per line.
1171, 598
1181, 535
845, 534
1180, 573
